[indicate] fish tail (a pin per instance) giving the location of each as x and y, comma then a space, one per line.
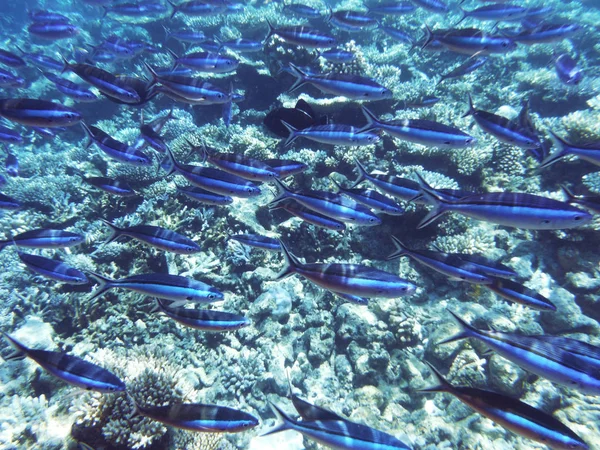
270, 33
564, 149
464, 16
441, 384
569, 194
284, 421
300, 75
465, 330
292, 136
428, 37
372, 121
174, 163
20, 351
167, 33
401, 249
88, 133
66, 65
471, 110
4, 244
106, 11
174, 8
291, 263
362, 173
175, 57
104, 284
440, 206
115, 231
283, 193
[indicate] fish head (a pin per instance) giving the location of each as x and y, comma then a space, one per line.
470, 141
214, 295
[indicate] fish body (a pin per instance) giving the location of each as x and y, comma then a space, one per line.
372, 200
140, 9
567, 70
424, 132
44, 238
53, 30
486, 266
186, 35
332, 134
38, 113
53, 269
512, 414
258, 241
40, 15
328, 204
206, 197
351, 20
517, 293
204, 319
240, 165
352, 279
114, 187
243, 45
10, 59
12, 165
499, 12
398, 35
308, 215
434, 6
70, 369
469, 66
545, 33
9, 79
115, 149
207, 62
158, 237
177, 289
354, 87
197, 8
198, 417
391, 8
587, 152
398, 187
71, 89
302, 36
337, 56
470, 41
300, 117
9, 136
302, 10
8, 203
42, 61
285, 167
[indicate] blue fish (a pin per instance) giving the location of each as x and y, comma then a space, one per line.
589, 152
115, 149
302, 36
44, 238
310, 216
38, 113
204, 319
258, 241
8, 203
206, 197
12, 165
114, 187
53, 269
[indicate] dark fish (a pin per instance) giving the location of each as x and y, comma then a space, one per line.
70, 89
44, 238
561, 360
214, 180
38, 113
53, 30
512, 414
286, 167
310, 216
204, 319
40, 15
444, 263
158, 237
372, 200
114, 187
302, 36
179, 290
503, 129
353, 279
354, 87
591, 202
12, 165
115, 149
517, 293
258, 241
510, 209
150, 133
469, 66
197, 417
567, 70
8, 203
300, 117
10, 59
470, 41
302, 10
9, 136
70, 369
53, 269
588, 152
424, 132
206, 197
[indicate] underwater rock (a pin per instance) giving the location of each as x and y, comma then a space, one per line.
275, 303
506, 377
568, 317
300, 117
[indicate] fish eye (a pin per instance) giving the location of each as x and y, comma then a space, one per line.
545, 221
578, 217
212, 296
505, 44
189, 298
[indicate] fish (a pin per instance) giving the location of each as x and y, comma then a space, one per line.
467, 67
589, 152
241, 45
331, 134
206, 62
337, 433
285, 167
309, 216
354, 87
8, 203
420, 131
447, 264
546, 33
144, 8
204, 319
196, 8
470, 41
44, 238
302, 36
498, 12
157, 237
337, 56
40, 15
38, 113
398, 187
150, 133
188, 35
180, 290
391, 8
42, 61
511, 209
503, 129
591, 202
114, 187
512, 414
485, 265
204, 196
70, 89
352, 279
302, 10
434, 6
12, 165
300, 117
567, 70
398, 35
199, 417
350, 20
214, 180
335, 206
541, 356
71, 369
53, 269
373, 200
115, 149
11, 60
258, 241
8, 79
517, 293
53, 31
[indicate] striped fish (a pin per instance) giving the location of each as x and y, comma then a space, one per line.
158, 237
309, 216
587, 152
512, 414
204, 196
591, 202
204, 319
517, 293
115, 149
44, 238
398, 187
352, 279
302, 36
53, 269
258, 241
38, 113
372, 199
70, 369
169, 287
564, 361
114, 187
332, 134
